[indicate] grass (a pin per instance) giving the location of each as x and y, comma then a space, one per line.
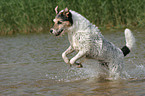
25, 16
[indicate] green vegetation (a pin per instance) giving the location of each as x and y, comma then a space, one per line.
26, 16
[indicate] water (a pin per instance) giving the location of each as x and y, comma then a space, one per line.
31, 65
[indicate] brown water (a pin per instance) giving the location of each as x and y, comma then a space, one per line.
31, 65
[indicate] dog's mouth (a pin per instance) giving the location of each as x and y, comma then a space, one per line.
59, 32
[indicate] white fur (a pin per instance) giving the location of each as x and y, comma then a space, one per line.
86, 39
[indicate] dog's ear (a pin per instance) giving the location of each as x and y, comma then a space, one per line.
66, 12
56, 10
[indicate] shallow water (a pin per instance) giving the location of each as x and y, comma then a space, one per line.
31, 65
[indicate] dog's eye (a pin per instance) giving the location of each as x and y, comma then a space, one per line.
59, 22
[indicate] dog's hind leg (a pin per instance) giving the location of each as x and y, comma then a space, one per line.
104, 64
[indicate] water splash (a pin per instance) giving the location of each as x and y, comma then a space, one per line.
92, 70
136, 73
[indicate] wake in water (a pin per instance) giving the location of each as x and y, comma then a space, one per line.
136, 73
93, 71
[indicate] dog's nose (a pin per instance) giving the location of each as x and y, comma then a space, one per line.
51, 30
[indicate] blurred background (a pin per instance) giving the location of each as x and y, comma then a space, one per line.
27, 16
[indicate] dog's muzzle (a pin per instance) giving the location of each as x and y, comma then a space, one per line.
56, 33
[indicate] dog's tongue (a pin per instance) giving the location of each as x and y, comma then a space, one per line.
59, 33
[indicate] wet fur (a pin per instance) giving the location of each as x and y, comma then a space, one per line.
87, 40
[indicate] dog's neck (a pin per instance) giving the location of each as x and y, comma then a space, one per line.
80, 23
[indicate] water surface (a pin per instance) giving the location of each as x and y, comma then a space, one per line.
31, 65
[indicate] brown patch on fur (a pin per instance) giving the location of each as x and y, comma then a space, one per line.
59, 23
62, 22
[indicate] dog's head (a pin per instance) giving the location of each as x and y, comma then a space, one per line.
62, 21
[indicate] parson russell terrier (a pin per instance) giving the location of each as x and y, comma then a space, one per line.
87, 40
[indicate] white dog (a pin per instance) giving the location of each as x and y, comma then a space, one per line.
86, 39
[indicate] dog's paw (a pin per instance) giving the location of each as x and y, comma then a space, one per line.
78, 65
66, 60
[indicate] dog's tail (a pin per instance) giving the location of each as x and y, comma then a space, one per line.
130, 40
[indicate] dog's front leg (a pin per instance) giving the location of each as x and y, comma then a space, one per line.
65, 53
79, 55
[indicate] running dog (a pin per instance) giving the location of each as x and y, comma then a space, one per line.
87, 40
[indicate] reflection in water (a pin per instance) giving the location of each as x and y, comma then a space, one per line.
32, 65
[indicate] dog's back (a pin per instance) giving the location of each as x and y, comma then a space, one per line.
86, 36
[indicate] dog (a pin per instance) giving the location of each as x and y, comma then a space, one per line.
87, 40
